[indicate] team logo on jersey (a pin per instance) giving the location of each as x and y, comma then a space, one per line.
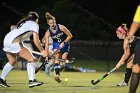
58, 36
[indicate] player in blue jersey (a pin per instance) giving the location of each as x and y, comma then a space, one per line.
61, 37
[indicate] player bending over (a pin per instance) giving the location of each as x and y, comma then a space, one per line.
128, 54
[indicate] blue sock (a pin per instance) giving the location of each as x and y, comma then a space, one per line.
57, 68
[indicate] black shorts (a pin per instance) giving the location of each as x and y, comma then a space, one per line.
137, 54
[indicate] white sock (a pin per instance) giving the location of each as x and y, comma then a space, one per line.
48, 67
50, 63
31, 70
7, 68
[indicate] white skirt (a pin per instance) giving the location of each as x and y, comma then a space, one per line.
12, 48
9, 46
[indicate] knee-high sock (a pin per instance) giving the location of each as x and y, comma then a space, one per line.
7, 68
134, 83
31, 70
127, 74
48, 67
57, 68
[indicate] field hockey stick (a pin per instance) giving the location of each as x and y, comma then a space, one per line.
49, 58
72, 60
65, 61
103, 77
59, 59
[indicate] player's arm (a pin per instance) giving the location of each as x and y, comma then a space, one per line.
126, 53
46, 37
135, 24
43, 39
38, 43
67, 32
133, 28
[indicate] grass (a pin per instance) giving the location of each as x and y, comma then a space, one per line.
98, 65
78, 83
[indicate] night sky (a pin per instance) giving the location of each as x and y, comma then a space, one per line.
113, 12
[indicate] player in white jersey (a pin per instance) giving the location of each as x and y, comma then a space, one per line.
13, 45
50, 63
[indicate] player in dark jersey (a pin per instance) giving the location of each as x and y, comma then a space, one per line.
128, 55
61, 37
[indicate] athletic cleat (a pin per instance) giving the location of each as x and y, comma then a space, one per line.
3, 83
34, 83
123, 83
58, 79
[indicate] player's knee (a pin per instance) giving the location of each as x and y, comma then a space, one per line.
136, 68
30, 60
12, 62
129, 65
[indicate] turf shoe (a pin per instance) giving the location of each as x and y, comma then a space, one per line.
123, 83
58, 79
3, 83
33, 83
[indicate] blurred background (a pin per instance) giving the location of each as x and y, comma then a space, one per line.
92, 23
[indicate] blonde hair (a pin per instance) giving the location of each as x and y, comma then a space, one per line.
49, 16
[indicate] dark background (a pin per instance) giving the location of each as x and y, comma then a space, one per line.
91, 22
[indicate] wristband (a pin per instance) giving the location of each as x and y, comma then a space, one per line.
64, 42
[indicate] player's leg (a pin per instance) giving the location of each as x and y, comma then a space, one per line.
24, 53
135, 70
48, 67
7, 68
128, 72
135, 78
64, 56
57, 69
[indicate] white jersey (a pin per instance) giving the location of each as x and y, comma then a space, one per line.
28, 26
50, 44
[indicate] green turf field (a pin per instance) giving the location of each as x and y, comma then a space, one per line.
78, 83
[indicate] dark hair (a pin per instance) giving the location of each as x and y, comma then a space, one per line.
31, 16
124, 26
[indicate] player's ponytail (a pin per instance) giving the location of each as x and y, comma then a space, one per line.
49, 16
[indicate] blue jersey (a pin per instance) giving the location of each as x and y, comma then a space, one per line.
58, 37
